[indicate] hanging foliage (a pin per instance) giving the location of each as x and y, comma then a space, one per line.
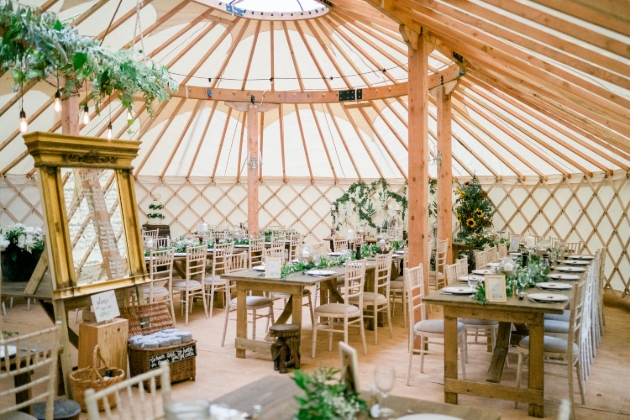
474, 209
36, 46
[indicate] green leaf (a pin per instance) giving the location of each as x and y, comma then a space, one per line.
80, 59
58, 26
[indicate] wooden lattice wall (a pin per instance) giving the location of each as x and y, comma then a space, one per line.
591, 210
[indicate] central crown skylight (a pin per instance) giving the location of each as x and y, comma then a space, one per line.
272, 10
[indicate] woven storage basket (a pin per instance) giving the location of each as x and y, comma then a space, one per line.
150, 318
92, 377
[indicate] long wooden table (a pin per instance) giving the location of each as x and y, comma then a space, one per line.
276, 396
513, 311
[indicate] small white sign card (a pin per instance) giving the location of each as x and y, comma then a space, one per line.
514, 244
273, 267
105, 306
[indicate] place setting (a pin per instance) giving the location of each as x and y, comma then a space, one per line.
483, 272
553, 286
581, 257
569, 269
547, 298
557, 276
576, 262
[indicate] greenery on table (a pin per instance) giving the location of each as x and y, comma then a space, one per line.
522, 278
474, 211
36, 45
327, 396
301, 266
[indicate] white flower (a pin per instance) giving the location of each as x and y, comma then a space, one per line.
4, 242
20, 242
29, 229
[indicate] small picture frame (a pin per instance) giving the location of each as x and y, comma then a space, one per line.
516, 239
495, 288
349, 367
273, 267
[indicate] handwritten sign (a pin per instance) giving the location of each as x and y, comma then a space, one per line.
105, 306
173, 356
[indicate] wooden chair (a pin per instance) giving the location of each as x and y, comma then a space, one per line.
238, 262
424, 328
256, 248
344, 313
132, 401
503, 251
481, 259
189, 288
161, 278
161, 243
340, 245
573, 247
214, 282
153, 234
34, 353
398, 289
295, 243
321, 248
274, 252
437, 279
564, 349
200, 238
493, 254
378, 300
462, 267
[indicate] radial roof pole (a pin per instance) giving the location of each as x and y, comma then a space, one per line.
252, 170
418, 172
445, 168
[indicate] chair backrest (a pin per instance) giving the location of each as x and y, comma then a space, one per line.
536, 238
440, 255
554, 242
161, 268
503, 251
354, 281
274, 228
256, 248
394, 233
370, 232
320, 248
295, 242
451, 273
577, 314
493, 254
481, 259
340, 245
131, 397
196, 257
574, 247
462, 266
383, 273
358, 240
274, 252
278, 241
160, 243
222, 252
25, 354
405, 259
415, 294
200, 238
153, 234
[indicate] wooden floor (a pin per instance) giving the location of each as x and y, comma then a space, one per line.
219, 372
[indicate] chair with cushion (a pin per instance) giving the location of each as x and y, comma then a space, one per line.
30, 354
377, 300
255, 252
238, 262
398, 289
424, 328
562, 349
462, 267
160, 284
345, 314
213, 281
190, 287
503, 251
437, 279
133, 400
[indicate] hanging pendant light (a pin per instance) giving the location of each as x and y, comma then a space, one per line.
23, 122
109, 131
58, 102
86, 115
129, 115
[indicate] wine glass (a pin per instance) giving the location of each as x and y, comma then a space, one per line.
473, 281
384, 378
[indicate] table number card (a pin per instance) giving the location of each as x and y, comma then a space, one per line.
105, 306
273, 267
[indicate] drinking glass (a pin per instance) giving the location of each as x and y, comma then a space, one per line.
384, 378
473, 281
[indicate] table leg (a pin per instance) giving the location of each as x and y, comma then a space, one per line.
536, 365
450, 354
296, 312
241, 319
177, 265
500, 353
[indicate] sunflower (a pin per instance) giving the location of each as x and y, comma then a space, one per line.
459, 217
471, 223
461, 193
478, 213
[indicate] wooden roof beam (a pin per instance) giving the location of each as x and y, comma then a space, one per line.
178, 7
298, 27
251, 54
281, 121
308, 160
228, 54
121, 20
201, 140
358, 133
327, 51
298, 73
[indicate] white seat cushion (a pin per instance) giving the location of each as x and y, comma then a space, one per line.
397, 284
439, 275
214, 279
336, 309
157, 290
254, 301
368, 298
181, 285
552, 345
566, 316
553, 326
305, 292
16, 415
434, 326
474, 321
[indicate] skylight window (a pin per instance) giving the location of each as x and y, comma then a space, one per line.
272, 10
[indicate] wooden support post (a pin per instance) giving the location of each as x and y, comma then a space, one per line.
418, 172
445, 169
252, 170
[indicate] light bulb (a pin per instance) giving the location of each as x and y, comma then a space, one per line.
109, 131
86, 115
129, 116
58, 102
23, 122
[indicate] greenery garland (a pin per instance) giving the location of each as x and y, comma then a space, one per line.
36, 45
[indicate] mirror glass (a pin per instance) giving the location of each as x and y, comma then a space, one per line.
99, 248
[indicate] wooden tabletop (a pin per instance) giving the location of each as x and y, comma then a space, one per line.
276, 396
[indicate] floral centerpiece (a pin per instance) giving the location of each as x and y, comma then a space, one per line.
156, 214
327, 396
23, 248
474, 212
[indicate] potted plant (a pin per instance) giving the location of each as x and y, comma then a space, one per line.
23, 248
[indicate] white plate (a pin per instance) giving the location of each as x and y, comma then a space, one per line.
471, 277
563, 276
179, 254
335, 254
458, 290
241, 246
482, 272
547, 297
12, 351
494, 264
553, 286
581, 257
576, 262
571, 269
259, 268
399, 252
321, 272
428, 416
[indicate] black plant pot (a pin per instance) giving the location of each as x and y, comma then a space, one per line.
22, 268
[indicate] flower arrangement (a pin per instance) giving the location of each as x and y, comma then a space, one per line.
474, 211
327, 396
156, 210
20, 238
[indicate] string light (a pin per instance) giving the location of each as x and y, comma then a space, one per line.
86, 108
23, 122
110, 134
57, 101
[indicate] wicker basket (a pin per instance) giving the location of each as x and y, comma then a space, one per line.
150, 318
92, 377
